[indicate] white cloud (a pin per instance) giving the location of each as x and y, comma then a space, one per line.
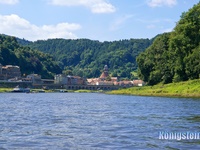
159, 3
19, 27
9, 2
96, 6
155, 21
151, 26
119, 21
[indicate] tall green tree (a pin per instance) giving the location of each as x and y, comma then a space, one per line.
174, 56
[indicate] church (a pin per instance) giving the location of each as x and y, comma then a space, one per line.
104, 78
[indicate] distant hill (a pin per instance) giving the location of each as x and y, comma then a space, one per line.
23, 41
175, 56
30, 61
87, 58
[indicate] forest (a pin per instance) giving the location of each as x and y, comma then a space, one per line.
81, 57
29, 60
86, 58
174, 56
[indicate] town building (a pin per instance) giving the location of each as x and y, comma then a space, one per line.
104, 78
35, 78
69, 80
78, 80
104, 83
125, 83
138, 83
60, 79
9, 72
104, 74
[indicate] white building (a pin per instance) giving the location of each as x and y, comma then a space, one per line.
35, 78
60, 79
68, 80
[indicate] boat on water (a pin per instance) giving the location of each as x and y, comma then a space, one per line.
18, 89
41, 91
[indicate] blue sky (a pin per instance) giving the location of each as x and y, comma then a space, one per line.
103, 20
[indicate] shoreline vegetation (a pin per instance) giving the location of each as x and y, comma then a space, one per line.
9, 90
187, 89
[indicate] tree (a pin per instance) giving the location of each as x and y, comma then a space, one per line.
174, 56
87, 57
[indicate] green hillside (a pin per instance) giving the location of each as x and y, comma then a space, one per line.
30, 61
84, 57
175, 56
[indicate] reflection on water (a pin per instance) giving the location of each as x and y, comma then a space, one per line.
194, 118
95, 121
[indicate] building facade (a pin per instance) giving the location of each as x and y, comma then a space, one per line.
69, 80
104, 78
60, 79
9, 72
35, 78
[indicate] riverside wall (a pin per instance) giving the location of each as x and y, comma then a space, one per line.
6, 84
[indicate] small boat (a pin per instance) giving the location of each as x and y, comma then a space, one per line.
63, 91
18, 89
41, 91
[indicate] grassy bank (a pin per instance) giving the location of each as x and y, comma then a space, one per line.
2, 90
182, 89
89, 91
82, 91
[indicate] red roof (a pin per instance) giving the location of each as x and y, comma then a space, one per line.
104, 75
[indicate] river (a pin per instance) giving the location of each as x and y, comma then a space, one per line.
97, 121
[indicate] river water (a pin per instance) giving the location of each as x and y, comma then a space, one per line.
97, 121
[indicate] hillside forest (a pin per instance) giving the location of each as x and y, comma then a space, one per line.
86, 58
174, 56
81, 57
30, 61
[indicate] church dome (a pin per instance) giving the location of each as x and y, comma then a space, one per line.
104, 74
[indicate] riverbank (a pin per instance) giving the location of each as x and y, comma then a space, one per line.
6, 90
182, 89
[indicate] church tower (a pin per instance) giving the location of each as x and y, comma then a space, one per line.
104, 74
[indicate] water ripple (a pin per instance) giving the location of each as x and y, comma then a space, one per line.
94, 121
